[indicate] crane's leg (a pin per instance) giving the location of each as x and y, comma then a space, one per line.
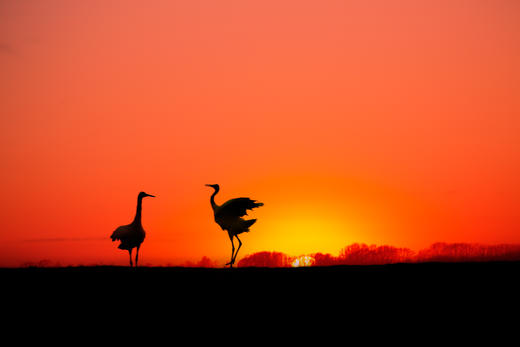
130, 253
137, 255
232, 251
238, 249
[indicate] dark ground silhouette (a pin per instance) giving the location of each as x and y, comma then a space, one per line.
418, 278
432, 295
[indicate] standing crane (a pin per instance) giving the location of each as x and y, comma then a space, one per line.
133, 234
229, 217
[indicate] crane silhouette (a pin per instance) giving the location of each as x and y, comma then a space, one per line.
229, 217
133, 234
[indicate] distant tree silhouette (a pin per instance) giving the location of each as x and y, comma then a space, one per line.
362, 254
40, 263
321, 259
265, 259
456, 252
204, 262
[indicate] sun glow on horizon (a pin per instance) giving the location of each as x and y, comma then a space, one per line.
304, 260
304, 233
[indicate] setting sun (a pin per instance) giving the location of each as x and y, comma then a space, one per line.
307, 233
304, 260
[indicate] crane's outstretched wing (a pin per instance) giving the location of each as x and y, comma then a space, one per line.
237, 207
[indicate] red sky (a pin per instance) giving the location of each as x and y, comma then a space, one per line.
374, 122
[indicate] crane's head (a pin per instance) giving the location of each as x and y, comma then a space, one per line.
214, 186
144, 195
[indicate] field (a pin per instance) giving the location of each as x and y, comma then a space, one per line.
446, 294
437, 278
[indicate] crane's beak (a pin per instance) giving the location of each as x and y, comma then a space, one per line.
150, 195
208, 185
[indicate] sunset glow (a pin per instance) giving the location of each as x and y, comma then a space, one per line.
370, 122
304, 260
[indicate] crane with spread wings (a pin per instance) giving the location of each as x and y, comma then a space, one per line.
229, 217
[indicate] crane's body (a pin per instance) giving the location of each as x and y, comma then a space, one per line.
229, 217
133, 234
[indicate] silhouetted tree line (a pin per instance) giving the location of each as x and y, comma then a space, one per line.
203, 262
362, 254
449, 252
266, 259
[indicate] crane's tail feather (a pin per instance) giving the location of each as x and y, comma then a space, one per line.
248, 223
120, 233
114, 237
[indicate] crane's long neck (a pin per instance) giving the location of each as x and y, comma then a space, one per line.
212, 200
137, 218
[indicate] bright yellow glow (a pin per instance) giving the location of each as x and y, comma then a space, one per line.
304, 260
304, 233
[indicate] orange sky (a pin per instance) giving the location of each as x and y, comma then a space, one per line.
376, 122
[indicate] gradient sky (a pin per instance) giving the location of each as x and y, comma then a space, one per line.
379, 122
